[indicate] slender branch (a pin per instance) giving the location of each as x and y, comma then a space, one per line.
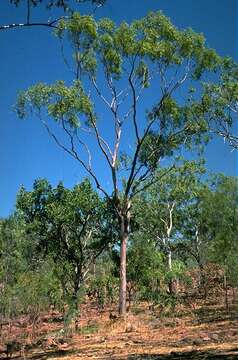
64, 57
11, 26
169, 224
152, 182
134, 101
113, 108
74, 154
80, 142
28, 11
131, 179
98, 137
99, 92
88, 151
232, 139
51, 24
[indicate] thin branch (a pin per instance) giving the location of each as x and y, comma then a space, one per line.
99, 92
80, 142
90, 132
98, 137
134, 101
51, 24
64, 57
74, 154
131, 179
28, 11
152, 182
232, 139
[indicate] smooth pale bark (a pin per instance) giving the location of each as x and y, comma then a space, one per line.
172, 282
170, 259
124, 235
226, 292
166, 243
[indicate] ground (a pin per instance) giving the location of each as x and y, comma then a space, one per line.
201, 330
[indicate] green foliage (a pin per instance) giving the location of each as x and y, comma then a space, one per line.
28, 284
222, 219
63, 103
151, 41
70, 227
35, 291
222, 98
103, 283
145, 267
147, 270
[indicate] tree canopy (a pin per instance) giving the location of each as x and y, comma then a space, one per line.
126, 60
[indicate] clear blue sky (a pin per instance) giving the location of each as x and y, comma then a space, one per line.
31, 55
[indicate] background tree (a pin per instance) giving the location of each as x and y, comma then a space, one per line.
69, 226
125, 60
222, 222
146, 270
162, 210
27, 282
209, 226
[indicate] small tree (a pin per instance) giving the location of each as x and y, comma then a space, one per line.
210, 226
28, 284
222, 212
70, 226
162, 210
113, 66
146, 269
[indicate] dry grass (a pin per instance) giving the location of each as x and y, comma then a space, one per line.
204, 332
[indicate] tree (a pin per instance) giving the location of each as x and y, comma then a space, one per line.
69, 226
195, 231
115, 65
146, 269
27, 283
222, 212
161, 211
210, 225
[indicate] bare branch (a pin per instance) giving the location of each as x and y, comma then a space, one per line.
80, 142
28, 11
134, 102
99, 92
131, 176
98, 137
51, 24
152, 182
72, 152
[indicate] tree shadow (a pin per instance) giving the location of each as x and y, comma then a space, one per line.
41, 355
191, 355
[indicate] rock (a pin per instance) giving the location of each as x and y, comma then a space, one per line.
92, 322
102, 340
197, 342
2, 349
138, 341
12, 346
185, 340
112, 316
129, 328
214, 337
